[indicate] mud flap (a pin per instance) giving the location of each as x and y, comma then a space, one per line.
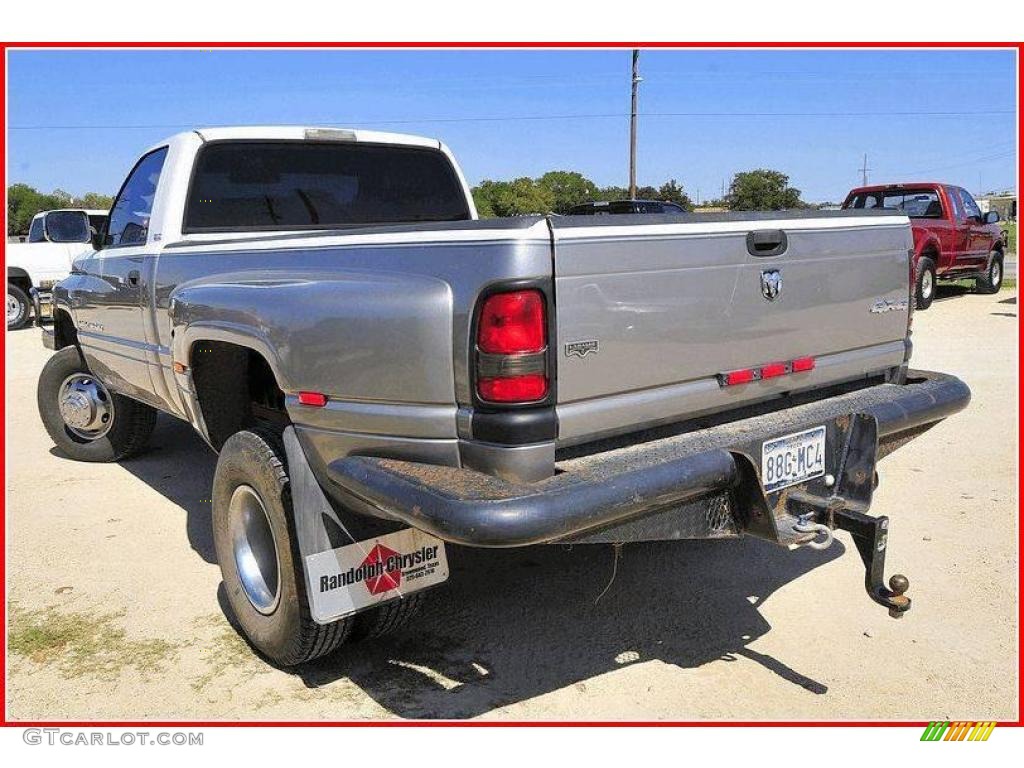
359, 574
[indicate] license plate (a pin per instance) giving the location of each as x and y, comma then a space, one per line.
793, 459
347, 579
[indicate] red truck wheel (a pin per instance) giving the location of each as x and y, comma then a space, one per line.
925, 289
992, 280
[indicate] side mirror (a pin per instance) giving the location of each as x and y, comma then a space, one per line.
991, 217
96, 239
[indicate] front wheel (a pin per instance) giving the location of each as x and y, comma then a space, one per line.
925, 288
86, 420
259, 560
992, 280
18, 307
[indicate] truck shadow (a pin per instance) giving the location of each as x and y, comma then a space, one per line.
514, 624
180, 466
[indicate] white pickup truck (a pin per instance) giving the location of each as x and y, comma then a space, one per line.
55, 239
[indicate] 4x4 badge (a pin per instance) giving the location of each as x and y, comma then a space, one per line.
771, 283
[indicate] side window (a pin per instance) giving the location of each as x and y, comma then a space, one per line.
954, 199
35, 231
129, 216
971, 208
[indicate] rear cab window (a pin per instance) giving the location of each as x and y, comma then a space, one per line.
296, 185
917, 203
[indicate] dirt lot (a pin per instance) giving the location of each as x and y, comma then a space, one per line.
115, 610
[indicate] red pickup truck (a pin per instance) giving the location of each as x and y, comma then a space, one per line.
953, 239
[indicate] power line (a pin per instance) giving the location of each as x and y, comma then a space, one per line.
507, 118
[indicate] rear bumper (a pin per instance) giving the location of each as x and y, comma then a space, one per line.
639, 491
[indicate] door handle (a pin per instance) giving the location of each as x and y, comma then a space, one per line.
133, 277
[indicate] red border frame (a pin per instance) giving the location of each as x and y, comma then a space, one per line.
4, 722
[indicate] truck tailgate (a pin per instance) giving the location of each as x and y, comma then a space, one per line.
651, 309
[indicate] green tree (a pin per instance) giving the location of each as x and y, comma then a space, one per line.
567, 188
96, 201
612, 193
512, 198
672, 192
762, 190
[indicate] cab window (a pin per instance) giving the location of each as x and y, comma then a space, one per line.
129, 216
35, 231
971, 209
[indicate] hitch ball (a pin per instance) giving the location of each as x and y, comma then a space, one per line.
899, 584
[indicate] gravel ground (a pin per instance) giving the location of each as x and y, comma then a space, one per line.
115, 602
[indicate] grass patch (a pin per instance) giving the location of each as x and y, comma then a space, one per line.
83, 643
225, 651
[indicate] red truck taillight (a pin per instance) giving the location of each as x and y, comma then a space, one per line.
511, 348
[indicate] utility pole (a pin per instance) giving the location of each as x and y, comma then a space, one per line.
632, 127
864, 171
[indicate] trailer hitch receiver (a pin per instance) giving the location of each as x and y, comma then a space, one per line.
843, 504
871, 534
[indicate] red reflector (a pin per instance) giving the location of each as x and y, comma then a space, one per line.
319, 399
802, 364
511, 323
739, 377
513, 389
772, 370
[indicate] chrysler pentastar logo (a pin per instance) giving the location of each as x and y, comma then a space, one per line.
771, 283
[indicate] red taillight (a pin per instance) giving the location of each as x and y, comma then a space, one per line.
767, 371
739, 377
512, 323
318, 399
514, 389
511, 348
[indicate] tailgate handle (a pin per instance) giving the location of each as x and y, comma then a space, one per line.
766, 242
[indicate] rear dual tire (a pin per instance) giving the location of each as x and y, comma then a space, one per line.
254, 535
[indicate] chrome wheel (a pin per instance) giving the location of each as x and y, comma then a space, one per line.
927, 284
995, 276
13, 309
255, 549
86, 406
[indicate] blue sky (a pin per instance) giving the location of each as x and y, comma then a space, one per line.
78, 119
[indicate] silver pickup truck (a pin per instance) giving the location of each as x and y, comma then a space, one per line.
382, 373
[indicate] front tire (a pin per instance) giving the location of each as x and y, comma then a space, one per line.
925, 288
84, 419
19, 308
992, 280
253, 532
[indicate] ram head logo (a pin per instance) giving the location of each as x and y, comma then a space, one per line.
771, 283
